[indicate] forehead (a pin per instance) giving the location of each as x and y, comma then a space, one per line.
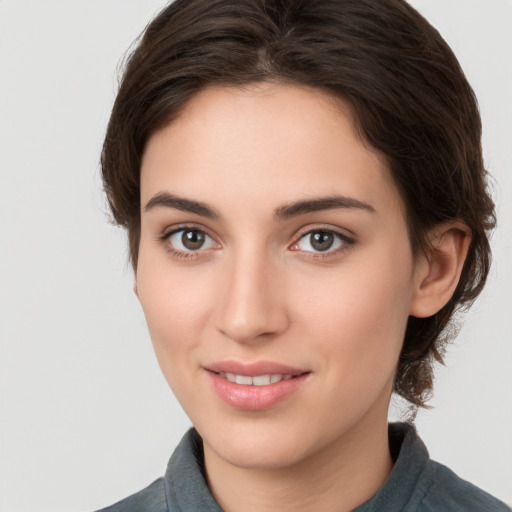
264, 143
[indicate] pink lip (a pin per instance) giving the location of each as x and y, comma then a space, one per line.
252, 369
250, 397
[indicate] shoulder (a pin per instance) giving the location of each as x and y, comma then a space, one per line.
448, 492
419, 484
150, 499
183, 488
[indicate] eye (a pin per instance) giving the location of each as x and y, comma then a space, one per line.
322, 240
189, 240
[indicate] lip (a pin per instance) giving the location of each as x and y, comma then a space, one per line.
249, 397
253, 369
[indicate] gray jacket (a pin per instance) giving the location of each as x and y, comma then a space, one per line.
416, 484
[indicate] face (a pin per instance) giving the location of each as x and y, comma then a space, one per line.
275, 272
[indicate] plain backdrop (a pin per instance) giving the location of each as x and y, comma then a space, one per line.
85, 416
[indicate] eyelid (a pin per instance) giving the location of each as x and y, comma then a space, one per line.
347, 241
168, 232
342, 232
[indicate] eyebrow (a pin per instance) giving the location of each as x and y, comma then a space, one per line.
166, 200
319, 204
296, 208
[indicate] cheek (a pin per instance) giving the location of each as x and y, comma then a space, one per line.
358, 314
176, 305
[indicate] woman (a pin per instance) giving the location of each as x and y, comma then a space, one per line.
305, 199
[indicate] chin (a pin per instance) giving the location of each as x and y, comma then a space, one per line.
259, 453
258, 443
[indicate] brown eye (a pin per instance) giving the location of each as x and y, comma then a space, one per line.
189, 240
322, 240
193, 240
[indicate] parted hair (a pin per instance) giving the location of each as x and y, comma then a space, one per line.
409, 95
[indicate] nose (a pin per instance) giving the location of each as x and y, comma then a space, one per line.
252, 307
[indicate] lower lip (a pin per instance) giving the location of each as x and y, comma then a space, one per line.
254, 398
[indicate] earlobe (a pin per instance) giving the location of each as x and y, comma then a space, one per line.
438, 272
135, 289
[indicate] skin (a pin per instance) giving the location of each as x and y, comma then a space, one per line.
257, 290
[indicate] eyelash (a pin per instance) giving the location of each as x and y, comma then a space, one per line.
346, 243
176, 253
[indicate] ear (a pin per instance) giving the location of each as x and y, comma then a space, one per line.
438, 272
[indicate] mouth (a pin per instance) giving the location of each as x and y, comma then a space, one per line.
256, 386
256, 380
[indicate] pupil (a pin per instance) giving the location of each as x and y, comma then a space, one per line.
192, 239
322, 240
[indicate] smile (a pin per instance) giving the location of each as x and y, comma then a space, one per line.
255, 386
256, 380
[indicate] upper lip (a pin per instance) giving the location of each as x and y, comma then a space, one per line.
253, 369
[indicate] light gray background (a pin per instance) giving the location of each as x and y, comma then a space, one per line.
85, 416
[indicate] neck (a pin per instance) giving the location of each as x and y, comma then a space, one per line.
343, 475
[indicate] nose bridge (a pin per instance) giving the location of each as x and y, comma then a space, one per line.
252, 304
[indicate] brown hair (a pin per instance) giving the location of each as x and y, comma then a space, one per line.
410, 97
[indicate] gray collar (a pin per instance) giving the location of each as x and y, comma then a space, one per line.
187, 491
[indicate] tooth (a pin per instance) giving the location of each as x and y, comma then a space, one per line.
222, 374
231, 377
275, 378
261, 380
243, 379
287, 377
